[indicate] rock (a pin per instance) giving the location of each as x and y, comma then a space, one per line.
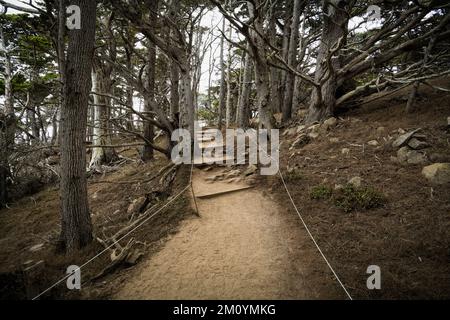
381, 129
137, 205
416, 144
415, 157
403, 139
373, 143
401, 131
250, 170
355, 181
345, 151
338, 187
302, 140
313, 135
334, 140
437, 173
448, 121
406, 155
402, 154
439, 157
37, 247
329, 123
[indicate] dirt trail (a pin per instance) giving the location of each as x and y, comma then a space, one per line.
244, 246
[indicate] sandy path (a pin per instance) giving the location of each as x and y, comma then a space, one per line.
242, 247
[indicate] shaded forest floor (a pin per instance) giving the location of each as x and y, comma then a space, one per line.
408, 236
29, 231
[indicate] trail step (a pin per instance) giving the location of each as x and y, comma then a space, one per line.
220, 193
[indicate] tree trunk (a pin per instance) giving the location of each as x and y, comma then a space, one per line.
243, 108
229, 80
76, 226
102, 132
149, 98
262, 70
222, 79
292, 59
174, 90
334, 28
7, 125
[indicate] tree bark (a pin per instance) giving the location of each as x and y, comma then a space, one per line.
229, 80
76, 226
292, 59
102, 132
149, 98
7, 124
222, 79
243, 108
334, 28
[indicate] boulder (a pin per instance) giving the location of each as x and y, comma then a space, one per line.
437, 173
406, 155
313, 135
373, 143
415, 157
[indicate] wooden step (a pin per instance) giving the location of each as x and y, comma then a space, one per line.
219, 193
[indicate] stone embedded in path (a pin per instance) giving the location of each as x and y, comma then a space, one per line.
437, 173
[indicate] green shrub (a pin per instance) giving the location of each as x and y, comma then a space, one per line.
321, 192
292, 176
351, 198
